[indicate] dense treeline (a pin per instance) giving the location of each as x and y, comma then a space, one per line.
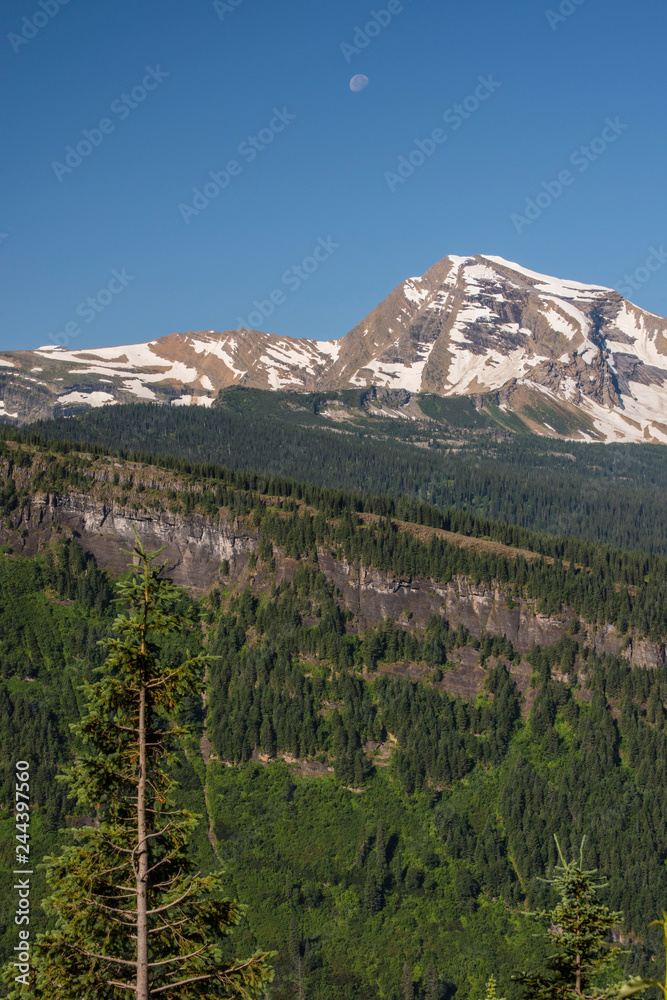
498, 788
605, 493
628, 589
46, 648
262, 699
602, 584
228, 484
53, 612
459, 811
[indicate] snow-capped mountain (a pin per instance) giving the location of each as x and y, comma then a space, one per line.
568, 359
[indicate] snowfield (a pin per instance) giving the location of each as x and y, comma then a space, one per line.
477, 324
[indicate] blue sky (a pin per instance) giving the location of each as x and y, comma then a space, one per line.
325, 165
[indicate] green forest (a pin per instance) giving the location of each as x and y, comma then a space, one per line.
387, 838
456, 458
601, 583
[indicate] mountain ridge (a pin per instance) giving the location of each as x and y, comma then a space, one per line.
558, 353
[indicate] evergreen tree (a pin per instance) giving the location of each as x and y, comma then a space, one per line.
579, 927
372, 891
431, 983
294, 942
131, 918
407, 984
397, 870
491, 991
295, 955
380, 852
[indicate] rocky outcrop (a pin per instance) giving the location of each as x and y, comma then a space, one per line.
571, 360
195, 547
379, 595
372, 594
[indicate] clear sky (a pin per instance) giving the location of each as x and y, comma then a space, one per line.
186, 89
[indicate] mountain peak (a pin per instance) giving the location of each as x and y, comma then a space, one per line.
479, 325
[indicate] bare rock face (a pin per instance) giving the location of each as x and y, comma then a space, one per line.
194, 546
570, 359
643, 653
381, 595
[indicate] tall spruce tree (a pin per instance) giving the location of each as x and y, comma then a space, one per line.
407, 983
579, 928
131, 916
431, 983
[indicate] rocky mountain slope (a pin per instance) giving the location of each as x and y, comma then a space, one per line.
206, 545
571, 360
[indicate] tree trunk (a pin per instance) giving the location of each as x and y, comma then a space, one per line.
142, 860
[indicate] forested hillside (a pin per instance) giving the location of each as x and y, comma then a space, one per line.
600, 583
383, 829
410, 825
452, 456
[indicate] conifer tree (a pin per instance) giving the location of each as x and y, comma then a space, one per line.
372, 891
380, 851
579, 928
431, 983
407, 983
131, 917
361, 850
491, 993
294, 942
295, 955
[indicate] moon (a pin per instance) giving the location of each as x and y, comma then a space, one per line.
358, 82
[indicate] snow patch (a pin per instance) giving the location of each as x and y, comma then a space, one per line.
137, 388
631, 322
395, 375
412, 293
559, 323
330, 347
96, 398
490, 370
189, 400
555, 286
